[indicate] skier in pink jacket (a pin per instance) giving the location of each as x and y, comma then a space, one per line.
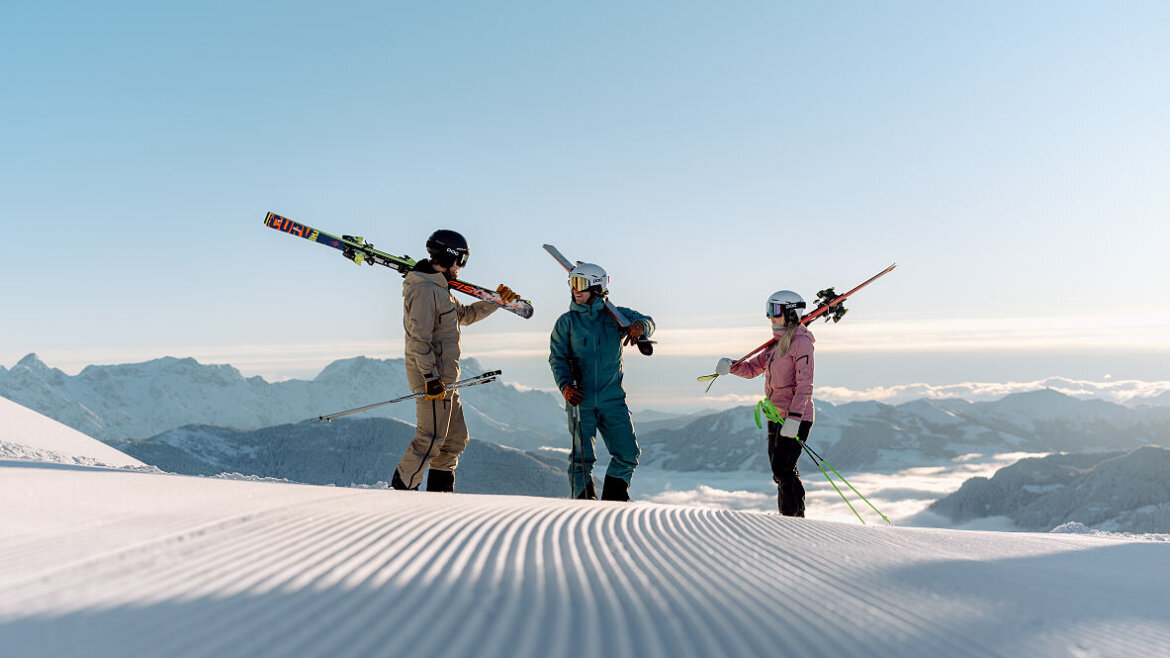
788, 383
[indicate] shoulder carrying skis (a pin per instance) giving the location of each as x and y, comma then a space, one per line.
829, 307
359, 251
645, 345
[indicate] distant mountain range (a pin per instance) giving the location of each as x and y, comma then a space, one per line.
141, 400
144, 400
873, 435
345, 452
1111, 491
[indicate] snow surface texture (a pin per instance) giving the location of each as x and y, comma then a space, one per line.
162, 565
101, 562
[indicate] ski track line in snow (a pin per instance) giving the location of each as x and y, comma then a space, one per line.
360, 573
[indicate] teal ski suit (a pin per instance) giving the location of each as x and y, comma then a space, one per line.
586, 353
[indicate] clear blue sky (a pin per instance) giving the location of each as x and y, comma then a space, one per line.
1013, 158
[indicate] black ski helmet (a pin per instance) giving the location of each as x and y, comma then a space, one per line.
447, 248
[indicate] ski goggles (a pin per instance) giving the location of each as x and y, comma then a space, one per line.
579, 283
457, 258
776, 309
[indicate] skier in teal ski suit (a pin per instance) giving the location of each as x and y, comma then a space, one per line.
586, 360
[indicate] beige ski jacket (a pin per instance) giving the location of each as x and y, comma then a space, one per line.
431, 318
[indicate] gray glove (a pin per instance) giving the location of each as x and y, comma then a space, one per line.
723, 367
790, 427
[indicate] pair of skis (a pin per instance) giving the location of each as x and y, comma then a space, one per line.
829, 306
645, 345
359, 251
485, 378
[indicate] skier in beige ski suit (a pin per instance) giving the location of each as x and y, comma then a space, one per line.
431, 317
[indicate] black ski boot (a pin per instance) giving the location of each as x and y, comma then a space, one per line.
790, 496
397, 483
441, 481
615, 489
589, 493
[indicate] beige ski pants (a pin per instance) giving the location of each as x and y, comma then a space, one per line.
439, 438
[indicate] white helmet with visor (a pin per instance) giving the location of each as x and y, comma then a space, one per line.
587, 276
785, 304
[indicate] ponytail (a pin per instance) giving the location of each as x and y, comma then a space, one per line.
786, 341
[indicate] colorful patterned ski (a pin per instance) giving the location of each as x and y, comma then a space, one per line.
359, 251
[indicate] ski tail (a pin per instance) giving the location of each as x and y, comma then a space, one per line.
560, 258
831, 301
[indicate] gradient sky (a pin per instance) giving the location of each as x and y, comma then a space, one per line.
1011, 157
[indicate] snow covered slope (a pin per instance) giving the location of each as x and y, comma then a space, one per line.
115, 563
26, 434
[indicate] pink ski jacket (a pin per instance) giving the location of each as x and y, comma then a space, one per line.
789, 379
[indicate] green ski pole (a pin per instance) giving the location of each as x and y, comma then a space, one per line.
766, 408
815, 456
839, 493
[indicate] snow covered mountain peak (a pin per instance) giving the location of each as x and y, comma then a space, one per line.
31, 361
31, 366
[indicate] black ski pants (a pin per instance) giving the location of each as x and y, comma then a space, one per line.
783, 453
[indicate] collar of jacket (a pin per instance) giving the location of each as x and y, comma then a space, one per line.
417, 276
591, 309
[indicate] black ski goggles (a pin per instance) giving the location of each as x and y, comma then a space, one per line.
455, 258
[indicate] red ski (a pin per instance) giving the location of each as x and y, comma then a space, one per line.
829, 306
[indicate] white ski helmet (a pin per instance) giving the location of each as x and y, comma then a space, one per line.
785, 304
588, 275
